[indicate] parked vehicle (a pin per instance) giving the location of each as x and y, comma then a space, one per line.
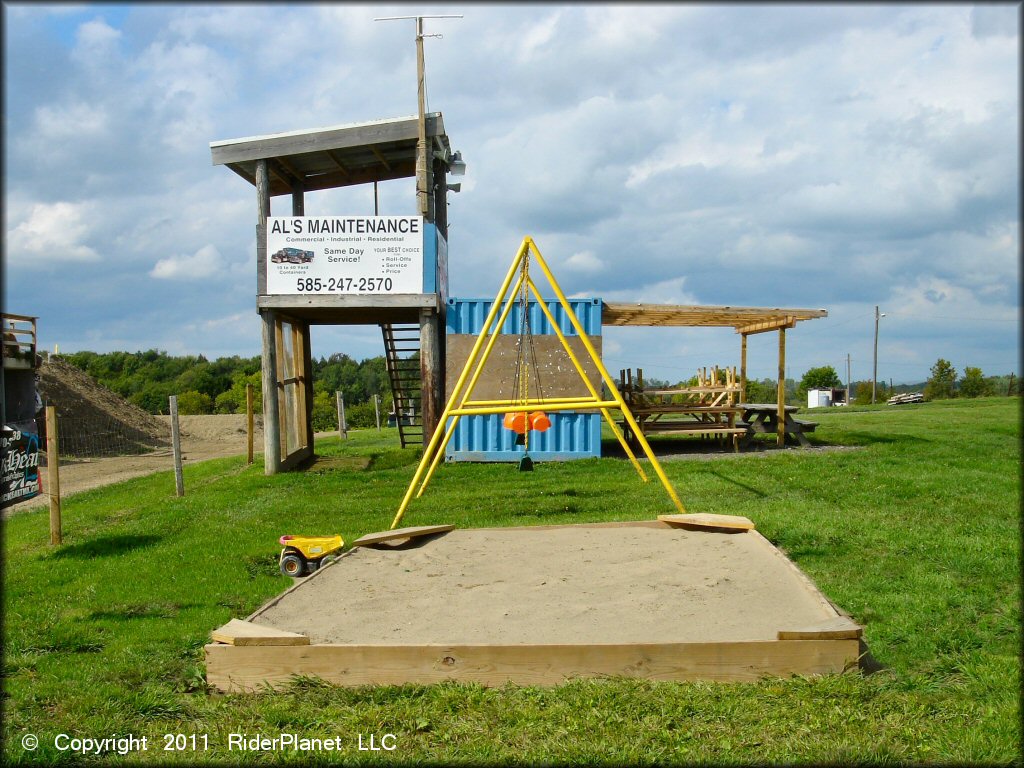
292, 256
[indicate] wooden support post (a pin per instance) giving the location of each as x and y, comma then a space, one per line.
280, 374
307, 381
743, 367
298, 202
430, 372
179, 481
271, 414
376, 410
781, 437
262, 181
262, 192
53, 475
300, 424
249, 424
342, 424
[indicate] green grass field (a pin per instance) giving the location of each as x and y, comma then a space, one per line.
916, 534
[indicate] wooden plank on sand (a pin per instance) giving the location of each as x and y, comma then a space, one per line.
401, 533
704, 520
238, 632
839, 628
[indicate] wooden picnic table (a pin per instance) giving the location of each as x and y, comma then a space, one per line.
763, 419
707, 409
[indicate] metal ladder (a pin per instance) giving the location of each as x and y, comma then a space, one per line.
401, 348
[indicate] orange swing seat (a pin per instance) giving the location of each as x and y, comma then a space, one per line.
521, 422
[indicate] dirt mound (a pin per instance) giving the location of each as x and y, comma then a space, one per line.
94, 421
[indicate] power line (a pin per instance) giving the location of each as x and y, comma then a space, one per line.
947, 317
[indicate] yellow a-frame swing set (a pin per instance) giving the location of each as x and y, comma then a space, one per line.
459, 404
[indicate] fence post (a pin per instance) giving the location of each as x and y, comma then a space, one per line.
179, 482
53, 475
342, 425
376, 410
249, 425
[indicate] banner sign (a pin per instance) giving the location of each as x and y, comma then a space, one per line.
344, 255
20, 466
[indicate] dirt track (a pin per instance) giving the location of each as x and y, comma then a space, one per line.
202, 438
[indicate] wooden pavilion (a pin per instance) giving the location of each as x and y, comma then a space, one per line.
745, 321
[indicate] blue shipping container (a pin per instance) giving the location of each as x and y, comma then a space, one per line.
483, 438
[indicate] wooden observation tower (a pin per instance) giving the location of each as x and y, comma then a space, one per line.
347, 269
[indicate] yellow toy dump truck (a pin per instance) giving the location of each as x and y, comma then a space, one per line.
302, 555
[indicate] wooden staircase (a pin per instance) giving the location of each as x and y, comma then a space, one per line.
401, 352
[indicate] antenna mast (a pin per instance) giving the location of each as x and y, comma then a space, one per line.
423, 198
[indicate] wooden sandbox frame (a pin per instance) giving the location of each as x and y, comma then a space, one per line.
245, 656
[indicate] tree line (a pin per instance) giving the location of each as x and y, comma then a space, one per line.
203, 386
944, 383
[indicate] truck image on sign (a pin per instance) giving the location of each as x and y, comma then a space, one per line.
292, 256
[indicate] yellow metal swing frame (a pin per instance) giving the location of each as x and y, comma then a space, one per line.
459, 403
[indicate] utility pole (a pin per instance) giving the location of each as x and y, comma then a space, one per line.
847, 378
424, 198
874, 373
431, 373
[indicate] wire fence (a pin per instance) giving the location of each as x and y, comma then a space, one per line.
103, 437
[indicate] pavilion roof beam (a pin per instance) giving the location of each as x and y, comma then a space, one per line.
768, 325
285, 173
337, 161
379, 156
251, 178
333, 179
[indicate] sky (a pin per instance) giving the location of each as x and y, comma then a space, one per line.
840, 156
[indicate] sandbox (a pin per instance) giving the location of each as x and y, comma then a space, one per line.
539, 605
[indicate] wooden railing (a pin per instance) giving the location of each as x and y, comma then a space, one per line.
19, 343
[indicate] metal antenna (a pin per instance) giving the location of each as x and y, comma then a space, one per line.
422, 198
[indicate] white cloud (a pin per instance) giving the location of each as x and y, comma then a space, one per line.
188, 82
767, 249
52, 232
59, 123
537, 36
629, 26
935, 299
664, 292
203, 263
584, 261
95, 38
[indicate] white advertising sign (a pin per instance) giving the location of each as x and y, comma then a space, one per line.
344, 254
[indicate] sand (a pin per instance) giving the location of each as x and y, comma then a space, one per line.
571, 585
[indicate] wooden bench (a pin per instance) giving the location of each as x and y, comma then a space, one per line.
645, 409
661, 427
762, 418
806, 426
